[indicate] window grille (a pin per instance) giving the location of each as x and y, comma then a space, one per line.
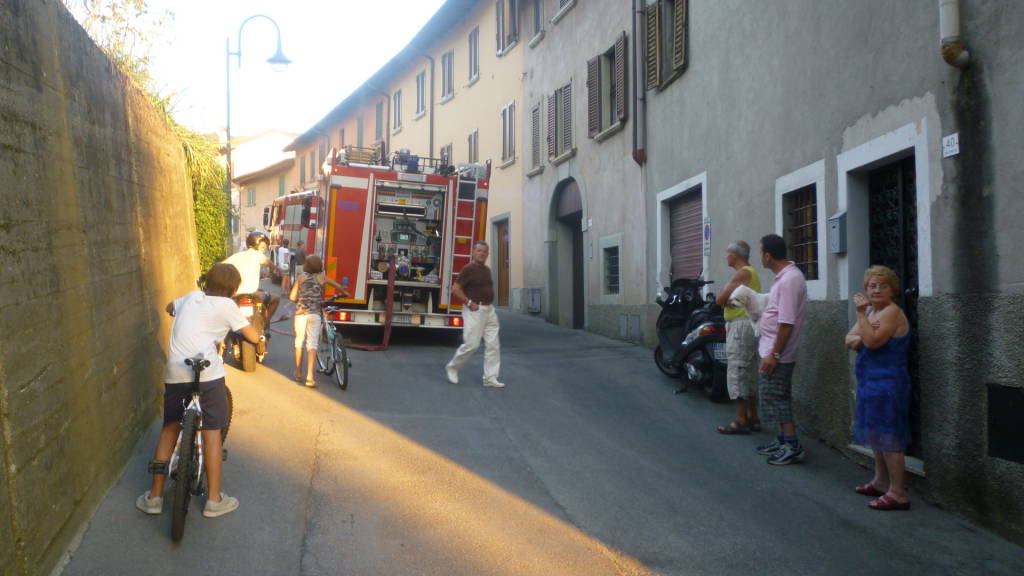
801, 210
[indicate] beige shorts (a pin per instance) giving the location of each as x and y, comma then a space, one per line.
307, 327
741, 348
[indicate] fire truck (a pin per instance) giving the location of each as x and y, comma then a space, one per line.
292, 217
396, 233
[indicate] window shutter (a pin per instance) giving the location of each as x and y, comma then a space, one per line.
652, 57
513, 21
567, 121
594, 96
535, 136
620, 77
679, 27
552, 122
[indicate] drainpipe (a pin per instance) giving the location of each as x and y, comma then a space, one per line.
639, 99
953, 50
430, 144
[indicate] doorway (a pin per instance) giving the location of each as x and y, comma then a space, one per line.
566, 276
501, 261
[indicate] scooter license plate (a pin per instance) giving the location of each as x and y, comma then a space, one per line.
246, 310
718, 349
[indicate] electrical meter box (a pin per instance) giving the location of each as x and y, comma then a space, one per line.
837, 233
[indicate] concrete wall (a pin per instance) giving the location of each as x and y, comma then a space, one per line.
96, 234
826, 90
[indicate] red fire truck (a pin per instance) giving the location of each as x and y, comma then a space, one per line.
292, 217
397, 233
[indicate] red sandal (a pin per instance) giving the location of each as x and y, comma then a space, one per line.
886, 502
868, 490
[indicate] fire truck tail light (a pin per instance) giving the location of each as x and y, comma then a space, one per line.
455, 321
341, 316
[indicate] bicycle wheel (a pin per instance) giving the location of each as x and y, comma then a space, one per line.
324, 355
231, 413
340, 362
186, 471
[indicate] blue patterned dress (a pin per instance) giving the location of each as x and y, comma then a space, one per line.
883, 396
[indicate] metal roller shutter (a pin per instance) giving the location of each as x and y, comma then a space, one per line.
685, 236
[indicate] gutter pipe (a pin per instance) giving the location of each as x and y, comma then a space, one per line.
952, 48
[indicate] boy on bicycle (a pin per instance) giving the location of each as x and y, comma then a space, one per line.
201, 320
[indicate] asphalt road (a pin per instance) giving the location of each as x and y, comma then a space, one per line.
586, 464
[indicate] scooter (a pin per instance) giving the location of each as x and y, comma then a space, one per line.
691, 336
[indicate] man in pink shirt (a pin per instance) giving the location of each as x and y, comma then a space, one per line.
781, 326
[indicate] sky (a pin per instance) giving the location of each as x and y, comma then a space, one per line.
334, 46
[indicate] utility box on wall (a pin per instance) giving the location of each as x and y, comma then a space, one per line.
837, 233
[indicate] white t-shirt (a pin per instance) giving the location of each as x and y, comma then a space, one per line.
248, 263
200, 321
283, 255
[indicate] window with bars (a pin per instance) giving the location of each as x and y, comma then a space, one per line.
447, 74
396, 111
800, 212
508, 132
474, 54
560, 122
421, 83
535, 139
665, 44
606, 88
506, 13
473, 144
611, 270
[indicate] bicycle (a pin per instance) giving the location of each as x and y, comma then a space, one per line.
331, 354
186, 465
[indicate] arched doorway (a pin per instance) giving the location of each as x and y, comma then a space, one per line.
566, 272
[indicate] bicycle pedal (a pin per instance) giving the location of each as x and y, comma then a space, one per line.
224, 454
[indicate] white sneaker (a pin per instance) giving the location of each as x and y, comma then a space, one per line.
453, 374
149, 505
494, 384
215, 509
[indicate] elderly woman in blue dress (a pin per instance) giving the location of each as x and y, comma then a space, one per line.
880, 336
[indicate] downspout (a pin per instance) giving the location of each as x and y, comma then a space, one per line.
952, 48
639, 100
430, 141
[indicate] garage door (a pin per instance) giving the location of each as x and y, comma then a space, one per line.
685, 235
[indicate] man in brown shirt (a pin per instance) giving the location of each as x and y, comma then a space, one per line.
475, 289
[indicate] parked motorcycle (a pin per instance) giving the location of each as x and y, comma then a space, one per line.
691, 338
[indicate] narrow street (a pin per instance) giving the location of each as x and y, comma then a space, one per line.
585, 464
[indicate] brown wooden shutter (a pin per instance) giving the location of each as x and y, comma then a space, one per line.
652, 56
594, 96
679, 27
567, 120
552, 122
687, 247
620, 77
535, 136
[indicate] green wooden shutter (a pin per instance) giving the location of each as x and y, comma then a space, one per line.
552, 122
679, 28
594, 96
652, 56
620, 77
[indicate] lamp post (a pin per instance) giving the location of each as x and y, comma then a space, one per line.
278, 61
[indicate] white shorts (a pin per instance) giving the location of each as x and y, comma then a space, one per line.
307, 327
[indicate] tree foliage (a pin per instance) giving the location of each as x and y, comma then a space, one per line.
125, 30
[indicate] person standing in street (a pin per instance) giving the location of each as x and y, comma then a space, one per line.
284, 257
781, 327
740, 343
475, 289
249, 263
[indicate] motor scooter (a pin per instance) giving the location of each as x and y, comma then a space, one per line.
691, 337
245, 353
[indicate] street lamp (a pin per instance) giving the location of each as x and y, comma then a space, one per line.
278, 61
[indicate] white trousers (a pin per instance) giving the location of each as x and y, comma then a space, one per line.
482, 324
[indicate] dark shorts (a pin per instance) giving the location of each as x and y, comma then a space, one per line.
211, 395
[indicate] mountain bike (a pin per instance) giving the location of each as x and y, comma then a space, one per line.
186, 464
331, 354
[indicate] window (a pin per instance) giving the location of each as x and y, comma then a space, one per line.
447, 75
359, 132
312, 165
665, 46
446, 154
322, 155
378, 130
800, 223
508, 132
474, 54
280, 186
611, 270
507, 24
560, 122
341, 138
302, 170
537, 16
250, 196
606, 88
421, 82
535, 137
396, 111
563, 8
473, 143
